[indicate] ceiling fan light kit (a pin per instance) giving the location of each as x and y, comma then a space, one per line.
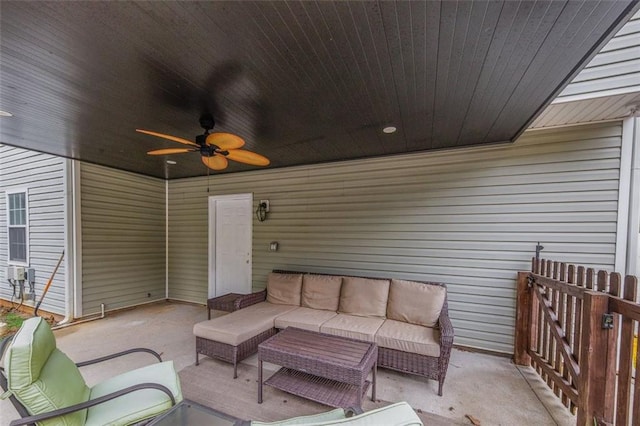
215, 148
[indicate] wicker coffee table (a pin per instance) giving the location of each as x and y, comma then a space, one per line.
321, 367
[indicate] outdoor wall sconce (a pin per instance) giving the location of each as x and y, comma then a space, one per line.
273, 246
263, 209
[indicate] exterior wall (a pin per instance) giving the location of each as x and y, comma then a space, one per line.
614, 70
470, 218
43, 176
123, 238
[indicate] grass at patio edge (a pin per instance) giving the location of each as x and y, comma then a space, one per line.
12, 320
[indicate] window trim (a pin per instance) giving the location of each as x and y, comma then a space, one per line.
24, 191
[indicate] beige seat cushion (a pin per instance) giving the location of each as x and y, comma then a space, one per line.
354, 327
321, 291
365, 297
415, 303
408, 338
284, 289
239, 326
305, 318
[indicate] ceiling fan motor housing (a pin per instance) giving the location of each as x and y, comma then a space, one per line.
207, 122
208, 150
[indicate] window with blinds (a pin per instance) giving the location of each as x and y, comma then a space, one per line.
17, 213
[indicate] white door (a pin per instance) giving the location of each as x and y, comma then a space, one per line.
230, 234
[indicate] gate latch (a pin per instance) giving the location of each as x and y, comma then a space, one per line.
607, 321
530, 281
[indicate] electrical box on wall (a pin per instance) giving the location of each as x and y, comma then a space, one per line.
15, 273
30, 276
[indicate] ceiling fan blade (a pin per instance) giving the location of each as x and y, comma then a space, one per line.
168, 151
225, 141
216, 162
247, 157
169, 137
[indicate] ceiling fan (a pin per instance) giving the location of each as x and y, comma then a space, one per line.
215, 148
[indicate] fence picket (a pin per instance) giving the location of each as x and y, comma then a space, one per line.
626, 358
614, 284
540, 339
582, 282
568, 323
545, 328
610, 369
556, 361
562, 321
602, 281
590, 278
580, 278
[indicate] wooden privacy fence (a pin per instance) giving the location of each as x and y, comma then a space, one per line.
576, 327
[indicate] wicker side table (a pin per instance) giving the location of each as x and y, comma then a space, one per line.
223, 303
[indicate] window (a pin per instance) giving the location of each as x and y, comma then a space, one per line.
17, 213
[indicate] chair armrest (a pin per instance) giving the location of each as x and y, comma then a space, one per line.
446, 329
4, 343
352, 411
118, 354
250, 299
84, 405
4, 386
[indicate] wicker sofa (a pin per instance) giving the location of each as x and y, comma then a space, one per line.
408, 320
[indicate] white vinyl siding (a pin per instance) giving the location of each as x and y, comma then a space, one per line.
42, 177
470, 218
123, 238
615, 70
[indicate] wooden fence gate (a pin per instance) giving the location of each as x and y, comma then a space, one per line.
578, 329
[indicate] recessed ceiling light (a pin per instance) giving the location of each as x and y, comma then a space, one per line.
5, 114
171, 162
389, 129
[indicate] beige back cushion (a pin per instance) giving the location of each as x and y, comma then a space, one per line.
321, 292
415, 303
364, 297
284, 289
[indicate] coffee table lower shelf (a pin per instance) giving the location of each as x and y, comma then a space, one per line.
325, 391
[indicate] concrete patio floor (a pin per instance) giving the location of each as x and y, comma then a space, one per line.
490, 388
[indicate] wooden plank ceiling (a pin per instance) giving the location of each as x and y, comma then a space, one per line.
301, 82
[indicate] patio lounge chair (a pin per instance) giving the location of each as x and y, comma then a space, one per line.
46, 387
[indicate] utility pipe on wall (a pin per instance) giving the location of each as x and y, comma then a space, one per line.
69, 324
632, 124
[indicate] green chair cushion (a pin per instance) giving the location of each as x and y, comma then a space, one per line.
29, 352
327, 416
42, 377
138, 405
399, 414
